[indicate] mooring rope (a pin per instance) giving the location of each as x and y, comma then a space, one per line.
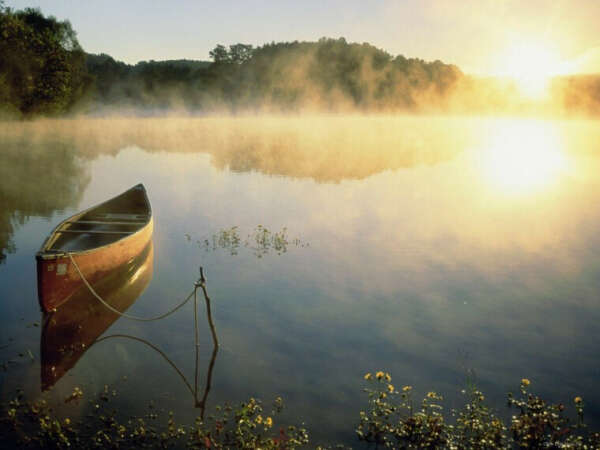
201, 283
153, 347
122, 314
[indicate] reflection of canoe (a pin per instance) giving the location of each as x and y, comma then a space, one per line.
99, 239
69, 332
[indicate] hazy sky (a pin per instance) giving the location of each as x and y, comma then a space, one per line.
477, 35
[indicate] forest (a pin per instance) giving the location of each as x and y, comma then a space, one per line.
45, 71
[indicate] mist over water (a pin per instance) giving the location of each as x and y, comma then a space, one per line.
438, 245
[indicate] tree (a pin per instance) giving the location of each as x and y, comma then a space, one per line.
240, 53
237, 54
42, 69
219, 54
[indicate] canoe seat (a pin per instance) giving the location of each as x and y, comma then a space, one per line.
95, 232
119, 216
105, 222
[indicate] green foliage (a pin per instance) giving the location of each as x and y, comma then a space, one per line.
42, 68
542, 425
37, 425
44, 71
237, 54
261, 241
477, 427
393, 421
330, 74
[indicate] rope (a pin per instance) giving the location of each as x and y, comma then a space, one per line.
153, 347
194, 391
122, 314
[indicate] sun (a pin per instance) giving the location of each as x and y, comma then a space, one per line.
531, 65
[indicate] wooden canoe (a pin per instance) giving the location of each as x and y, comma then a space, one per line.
98, 239
75, 326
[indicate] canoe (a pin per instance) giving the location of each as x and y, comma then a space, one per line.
98, 240
75, 326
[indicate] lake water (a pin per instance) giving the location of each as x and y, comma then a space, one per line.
432, 248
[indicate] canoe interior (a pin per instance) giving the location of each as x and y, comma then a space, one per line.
106, 223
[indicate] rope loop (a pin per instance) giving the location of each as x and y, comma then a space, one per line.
122, 314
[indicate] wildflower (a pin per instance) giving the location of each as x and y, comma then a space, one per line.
431, 394
67, 421
578, 399
269, 422
379, 375
525, 382
259, 419
368, 376
407, 388
388, 377
390, 388
481, 398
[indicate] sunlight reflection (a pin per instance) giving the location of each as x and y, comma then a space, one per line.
523, 156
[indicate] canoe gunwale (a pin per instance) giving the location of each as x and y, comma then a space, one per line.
47, 254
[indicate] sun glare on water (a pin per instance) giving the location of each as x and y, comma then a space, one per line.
523, 156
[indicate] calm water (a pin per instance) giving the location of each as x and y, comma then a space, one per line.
426, 247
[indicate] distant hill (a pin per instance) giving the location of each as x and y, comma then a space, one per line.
330, 75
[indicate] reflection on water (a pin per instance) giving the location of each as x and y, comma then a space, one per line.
438, 247
326, 149
73, 328
56, 179
522, 156
48, 153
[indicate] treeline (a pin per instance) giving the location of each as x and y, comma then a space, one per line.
330, 74
44, 71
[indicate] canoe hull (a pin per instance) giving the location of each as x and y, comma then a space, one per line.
58, 279
99, 240
73, 328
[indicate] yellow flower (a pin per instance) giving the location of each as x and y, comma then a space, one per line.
379, 375
431, 394
525, 382
67, 421
390, 388
407, 388
368, 376
481, 398
578, 399
259, 419
269, 422
388, 378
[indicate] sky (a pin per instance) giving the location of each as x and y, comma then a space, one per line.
482, 37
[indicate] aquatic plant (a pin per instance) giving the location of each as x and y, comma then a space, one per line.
393, 419
261, 241
247, 426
